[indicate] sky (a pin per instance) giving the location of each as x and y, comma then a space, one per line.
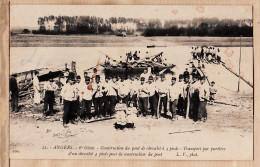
26, 16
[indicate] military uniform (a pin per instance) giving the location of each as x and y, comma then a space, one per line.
49, 98
153, 96
162, 91
14, 92
143, 97
97, 97
112, 96
203, 96
68, 93
174, 92
194, 98
86, 94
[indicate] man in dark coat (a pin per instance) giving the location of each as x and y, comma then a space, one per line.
14, 92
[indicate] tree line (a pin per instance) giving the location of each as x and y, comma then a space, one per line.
147, 27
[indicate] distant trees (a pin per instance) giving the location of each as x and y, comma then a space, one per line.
148, 27
26, 31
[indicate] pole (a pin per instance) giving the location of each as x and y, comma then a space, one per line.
239, 67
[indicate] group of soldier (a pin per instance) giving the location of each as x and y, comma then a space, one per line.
150, 94
207, 53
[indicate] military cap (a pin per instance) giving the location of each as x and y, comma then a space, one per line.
97, 77
202, 78
87, 78
174, 78
162, 75
142, 79
150, 78
71, 76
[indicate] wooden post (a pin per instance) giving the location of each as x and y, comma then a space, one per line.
239, 67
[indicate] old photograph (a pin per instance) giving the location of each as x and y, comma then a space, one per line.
131, 82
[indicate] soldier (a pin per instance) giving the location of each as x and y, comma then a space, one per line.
97, 97
186, 73
212, 91
36, 88
78, 88
162, 91
185, 94
86, 93
123, 90
180, 99
145, 74
68, 93
105, 98
173, 95
14, 92
194, 98
49, 97
203, 96
112, 95
133, 92
143, 97
153, 96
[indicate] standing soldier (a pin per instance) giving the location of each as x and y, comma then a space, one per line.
145, 74
86, 93
14, 92
123, 91
143, 97
194, 98
105, 98
162, 91
133, 92
78, 88
97, 97
49, 97
153, 99
174, 92
203, 96
186, 95
68, 93
112, 95
36, 87
180, 99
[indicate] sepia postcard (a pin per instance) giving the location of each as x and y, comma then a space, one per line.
138, 82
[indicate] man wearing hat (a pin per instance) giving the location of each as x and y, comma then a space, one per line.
112, 92
78, 86
145, 74
203, 96
97, 97
185, 94
186, 73
133, 91
86, 95
14, 92
143, 97
49, 97
162, 91
123, 90
105, 99
194, 97
173, 95
69, 94
153, 99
